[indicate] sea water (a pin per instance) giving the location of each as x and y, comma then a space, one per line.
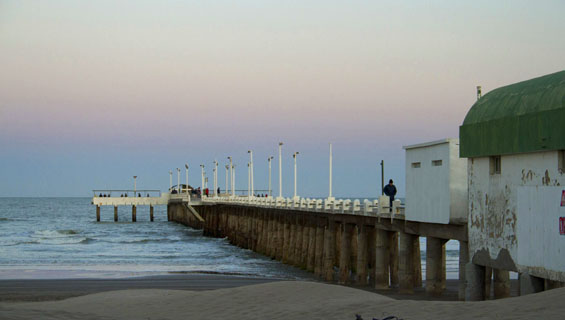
60, 238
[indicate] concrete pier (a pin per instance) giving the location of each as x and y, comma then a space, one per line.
382, 259
362, 256
435, 270
406, 262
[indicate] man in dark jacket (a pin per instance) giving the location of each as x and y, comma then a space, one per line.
390, 191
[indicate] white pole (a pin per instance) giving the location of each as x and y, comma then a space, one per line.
170, 180
330, 195
186, 166
248, 179
280, 169
233, 181
178, 180
215, 178
134, 186
295, 194
202, 182
269, 159
227, 175
231, 174
251, 171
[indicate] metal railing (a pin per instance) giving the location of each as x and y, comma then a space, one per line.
105, 193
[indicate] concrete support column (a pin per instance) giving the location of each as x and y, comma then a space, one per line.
151, 216
393, 259
286, 241
115, 213
345, 253
417, 262
168, 212
305, 242
501, 283
280, 237
98, 213
463, 260
298, 241
133, 213
319, 254
406, 262
329, 250
435, 279
362, 255
382, 259
371, 249
488, 282
292, 240
530, 284
475, 282
311, 246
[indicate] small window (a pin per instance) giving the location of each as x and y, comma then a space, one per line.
436, 163
415, 164
561, 161
495, 165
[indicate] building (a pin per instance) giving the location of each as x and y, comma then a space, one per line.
436, 183
514, 140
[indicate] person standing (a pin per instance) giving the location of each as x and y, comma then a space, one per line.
390, 191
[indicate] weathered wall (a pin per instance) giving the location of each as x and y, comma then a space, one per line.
436, 194
493, 208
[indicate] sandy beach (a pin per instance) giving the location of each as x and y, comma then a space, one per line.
277, 300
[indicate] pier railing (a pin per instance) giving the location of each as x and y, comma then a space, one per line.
104, 193
376, 208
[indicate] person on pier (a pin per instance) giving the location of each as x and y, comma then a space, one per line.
390, 191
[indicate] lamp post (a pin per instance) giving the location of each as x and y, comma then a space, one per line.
330, 197
233, 180
269, 160
251, 170
134, 186
178, 180
170, 180
231, 174
186, 166
215, 178
295, 194
227, 175
280, 170
248, 180
202, 184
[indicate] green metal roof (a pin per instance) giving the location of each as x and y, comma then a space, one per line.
523, 117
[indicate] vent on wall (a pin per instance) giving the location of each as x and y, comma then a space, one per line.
495, 165
415, 164
436, 163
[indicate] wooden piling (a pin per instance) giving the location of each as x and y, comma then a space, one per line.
362, 254
115, 213
98, 213
329, 250
151, 217
133, 213
382, 259
345, 253
405, 262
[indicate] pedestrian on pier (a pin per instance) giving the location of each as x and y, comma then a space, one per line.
218, 190
390, 191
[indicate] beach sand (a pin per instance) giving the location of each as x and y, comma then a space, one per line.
279, 300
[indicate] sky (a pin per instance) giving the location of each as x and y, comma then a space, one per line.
95, 92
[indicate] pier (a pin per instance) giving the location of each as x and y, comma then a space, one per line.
129, 198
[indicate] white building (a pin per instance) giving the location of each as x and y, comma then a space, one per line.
436, 183
514, 139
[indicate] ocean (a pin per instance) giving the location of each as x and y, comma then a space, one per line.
60, 238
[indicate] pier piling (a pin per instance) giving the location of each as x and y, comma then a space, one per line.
115, 213
150, 213
98, 213
133, 213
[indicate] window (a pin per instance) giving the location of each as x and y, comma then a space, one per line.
495, 165
415, 164
561, 161
436, 163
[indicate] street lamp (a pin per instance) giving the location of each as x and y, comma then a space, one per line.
231, 173
251, 170
269, 160
248, 179
227, 175
280, 170
215, 178
330, 198
233, 180
170, 180
186, 166
202, 184
178, 180
295, 195
134, 185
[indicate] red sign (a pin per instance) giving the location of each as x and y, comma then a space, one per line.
562, 225
563, 199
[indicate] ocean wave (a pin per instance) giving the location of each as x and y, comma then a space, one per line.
5, 219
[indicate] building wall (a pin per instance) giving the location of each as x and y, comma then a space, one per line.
493, 209
436, 194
